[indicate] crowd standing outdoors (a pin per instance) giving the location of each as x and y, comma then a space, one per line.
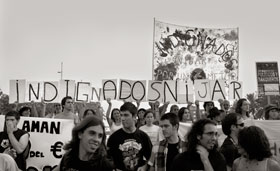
147, 139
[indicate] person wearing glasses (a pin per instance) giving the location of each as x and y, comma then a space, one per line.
201, 153
231, 125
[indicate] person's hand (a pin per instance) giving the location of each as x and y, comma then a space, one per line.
109, 101
221, 101
142, 168
138, 102
43, 102
32, 103
157, 104
202, 151
196, 102
166, 103
10, 127
189, 103
11, 152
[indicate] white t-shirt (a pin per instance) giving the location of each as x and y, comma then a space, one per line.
152, 131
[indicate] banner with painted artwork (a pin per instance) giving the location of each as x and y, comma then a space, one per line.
188, 53
267, 78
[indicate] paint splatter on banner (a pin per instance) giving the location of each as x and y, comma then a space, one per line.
188, 53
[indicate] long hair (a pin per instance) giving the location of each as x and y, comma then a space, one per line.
238, 107
254, 141
181, 113
196, 130
112, 114
72, 147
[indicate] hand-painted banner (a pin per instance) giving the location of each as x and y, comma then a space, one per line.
188, 53
268, 78
129, 90
47, 137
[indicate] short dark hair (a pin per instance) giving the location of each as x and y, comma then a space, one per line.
172, 117
207, 102
230, 119
141, 109
63, 101
254, 141
196, 129
24, 108
213, 112
128, 106
13, 113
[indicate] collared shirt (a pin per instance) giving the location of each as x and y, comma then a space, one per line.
158, 157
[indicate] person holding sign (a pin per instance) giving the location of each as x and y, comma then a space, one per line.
14, 141
114, 121
67, 110
86, 150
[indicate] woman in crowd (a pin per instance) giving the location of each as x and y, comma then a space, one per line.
185, 115
114, 120
86, 150
255, 151
141, 119
89, 112
242, 108
271, 112
151, 129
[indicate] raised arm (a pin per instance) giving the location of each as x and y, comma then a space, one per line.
34, 112
109, 111
198, 114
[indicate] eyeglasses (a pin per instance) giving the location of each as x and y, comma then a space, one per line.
241, 125
211, 134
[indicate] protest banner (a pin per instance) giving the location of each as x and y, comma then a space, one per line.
47, 137
267, 78
189, 53
129, 90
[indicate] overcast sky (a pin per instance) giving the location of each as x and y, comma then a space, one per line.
114, 39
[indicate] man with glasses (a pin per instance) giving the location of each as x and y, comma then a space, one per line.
201, 151
231, 125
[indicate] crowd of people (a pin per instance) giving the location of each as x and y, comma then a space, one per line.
148, 139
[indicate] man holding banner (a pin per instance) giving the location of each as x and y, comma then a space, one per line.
67, 110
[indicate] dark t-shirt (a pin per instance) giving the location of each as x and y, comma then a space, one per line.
75, 164
5, 143
128, 149
191, 161
172, 152
230, 151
